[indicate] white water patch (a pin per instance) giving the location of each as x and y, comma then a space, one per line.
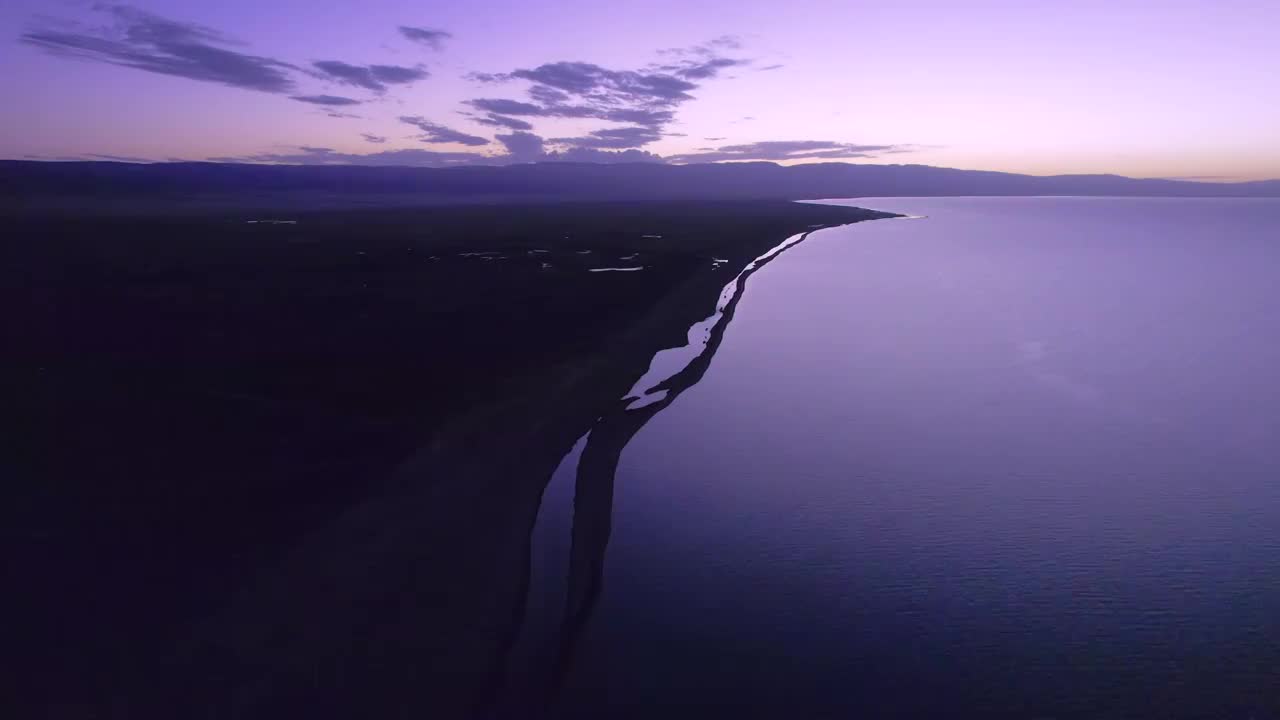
621, 269
651, 237
666, 364
272, 222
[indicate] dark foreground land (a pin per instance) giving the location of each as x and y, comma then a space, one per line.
290, 470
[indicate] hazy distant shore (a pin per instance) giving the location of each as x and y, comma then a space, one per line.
185, 188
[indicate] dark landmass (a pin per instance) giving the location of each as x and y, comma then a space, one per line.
185, 187
291, 470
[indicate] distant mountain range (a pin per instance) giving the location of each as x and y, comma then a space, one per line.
24, 181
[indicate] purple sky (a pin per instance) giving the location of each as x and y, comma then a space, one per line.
1150, 88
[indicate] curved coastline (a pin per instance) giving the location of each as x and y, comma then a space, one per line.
451, 528
655, 384
600, 450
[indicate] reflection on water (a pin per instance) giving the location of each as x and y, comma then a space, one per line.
671, 372
1011, 461
672, 367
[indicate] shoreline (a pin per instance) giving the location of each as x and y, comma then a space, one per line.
448, 527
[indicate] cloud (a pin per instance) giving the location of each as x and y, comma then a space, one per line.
606, 157
548, 95
337, 114
151, 43
775, 66
487, 78
648, 118
522, 147
434, 133
601, 85
375, 139
729, 42
506, 107
118, 158
701, 62
703, 69
328, 156
644, 101
622, 96
370, 77
430, 37
783, 150
502, 121
708, 48
331, 100
527, 147
613, 138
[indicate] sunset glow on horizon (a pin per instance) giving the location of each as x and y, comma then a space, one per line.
1171, 89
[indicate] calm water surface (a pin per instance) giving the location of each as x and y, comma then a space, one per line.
1017, 458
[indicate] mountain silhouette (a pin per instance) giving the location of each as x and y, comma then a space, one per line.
26, 183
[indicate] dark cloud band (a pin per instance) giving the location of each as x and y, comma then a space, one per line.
370, 77
329, 100
154, 44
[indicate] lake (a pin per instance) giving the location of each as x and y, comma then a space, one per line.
1015, 458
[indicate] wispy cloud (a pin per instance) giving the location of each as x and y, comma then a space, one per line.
375, 139
612, 138
502, 121
613, 87
118, 158
644, 101
429, 37
704, 61
145, 41
328, 156
331, 100
521, 147
436, 133
370, 77
784, 150
151, 43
